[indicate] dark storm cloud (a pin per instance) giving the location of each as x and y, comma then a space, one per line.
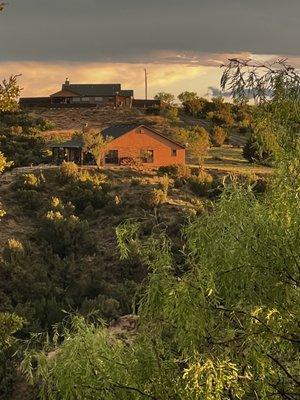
138, 30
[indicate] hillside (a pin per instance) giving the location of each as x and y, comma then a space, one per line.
69, 120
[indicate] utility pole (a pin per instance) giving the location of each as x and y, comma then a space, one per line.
146, 84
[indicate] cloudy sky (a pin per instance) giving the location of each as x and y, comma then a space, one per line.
181, 42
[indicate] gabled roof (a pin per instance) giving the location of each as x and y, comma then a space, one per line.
64, 93
76, 142
116, 131
93, 89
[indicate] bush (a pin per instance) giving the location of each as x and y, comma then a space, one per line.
85, 193
68, 171
164, 183
170, 112
156, 197
23, 149
202, 183
175, 171
218, 136
66, 234
30, 199
261, 149
29, 181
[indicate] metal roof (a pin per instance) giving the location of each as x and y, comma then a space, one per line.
75, 142
93, 89
116, 131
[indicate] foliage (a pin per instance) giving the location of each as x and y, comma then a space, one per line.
66, 233
10, 323
218, 322
165, 98
9, 93
156, 197
261, 148
23, 149
195, 107
4, 163
275, 87
218, 136
170, 112
175, 171
187, 96
201, 184
68, 171
198, 143
96, 144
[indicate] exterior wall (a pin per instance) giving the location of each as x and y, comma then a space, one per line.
131, 144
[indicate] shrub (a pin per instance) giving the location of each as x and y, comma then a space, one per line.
66, 234
218, 136
156, 197
201, 184
84, 193
164, 183
170, 112
68, 171
30, 199
175, 171
22, 148
261, 149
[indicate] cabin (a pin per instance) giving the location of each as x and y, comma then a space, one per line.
83, 95
130, 143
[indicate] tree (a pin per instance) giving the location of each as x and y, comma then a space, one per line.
218, 136
9, 93
198, 143
2, 5
165, 98
187, 96
96, 144
275, 88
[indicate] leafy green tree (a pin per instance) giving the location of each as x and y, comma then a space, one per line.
196, 107
275, 89
165, 98
187, 96
96, 144
198, 143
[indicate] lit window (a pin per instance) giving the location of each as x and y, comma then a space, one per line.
174, 152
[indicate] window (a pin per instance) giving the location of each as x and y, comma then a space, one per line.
85, 99
112, 157
174, 152
147, 156
99, 99
76, 99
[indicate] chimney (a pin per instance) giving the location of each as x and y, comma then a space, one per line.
67, 82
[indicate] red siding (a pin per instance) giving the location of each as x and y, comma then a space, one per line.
130, 145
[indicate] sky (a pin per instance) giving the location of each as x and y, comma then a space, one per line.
182, 43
